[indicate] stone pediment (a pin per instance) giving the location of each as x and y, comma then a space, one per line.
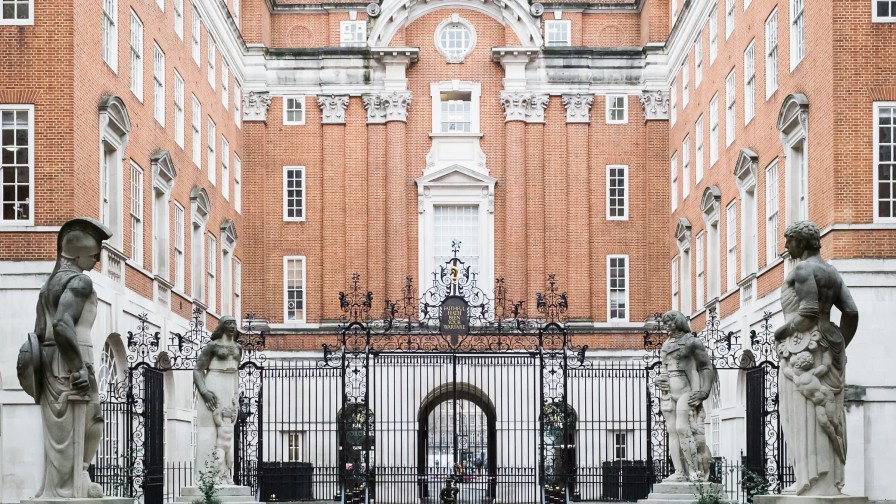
456, 175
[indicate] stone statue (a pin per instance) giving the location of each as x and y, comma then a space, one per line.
55, 365
812, 353
216, 378
685, 379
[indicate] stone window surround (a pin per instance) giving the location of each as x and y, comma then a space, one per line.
475, 90
793, 124
745, 174
29, 21
115, 126
199, 210
710, 205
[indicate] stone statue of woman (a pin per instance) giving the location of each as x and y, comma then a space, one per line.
216, 378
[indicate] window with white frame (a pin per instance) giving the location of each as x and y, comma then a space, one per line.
237, 183
798, 183
617, 287
673, 167
455, 38
729, 108
729, 18
195, 34
237, 288
685, 280
294, 446
731, 245
197, 132
749, 82
294, 288
179, 235
797, 33
713, 258
158, 79
114, 129
792, 122
162, 183
109, 378
698, 150
714, 130
225, 84
456, 111
212, 140
179, 18
617, 109
16, 12
225, 168
136, 56
353, 33
16, 164
700, 269
771, 54
557, 33
178, 110
675, 278
673, 101
110, 187
771, 212
237, 105
617, 192
698, 60
110, 33
457, 222
197, 248
293, 193
212, 267
212, 57
749, 229
685, 83
885, 162
713, 34
136, 214
884, 11
685, 166
294, 110
620, 445
226, 277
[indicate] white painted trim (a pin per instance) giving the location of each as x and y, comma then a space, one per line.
454, 19
24, 225
21, 22
628, 307
300, 99
876, 187
475, 90
768, 90
559, 22
880, 19
795, 62
294, 323
304, 195
607, 114
625, 215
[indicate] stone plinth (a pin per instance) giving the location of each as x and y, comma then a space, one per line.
227, 494
680, 493
809, 499
86, 500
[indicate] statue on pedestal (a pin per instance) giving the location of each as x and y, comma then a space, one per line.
685, 379
55, 365
812, 353
216, 378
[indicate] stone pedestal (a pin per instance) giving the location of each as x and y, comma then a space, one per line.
227, 494
86, 500
809, 499
681, 493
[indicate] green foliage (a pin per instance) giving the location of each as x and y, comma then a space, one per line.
753, 484
708, 493
209, 479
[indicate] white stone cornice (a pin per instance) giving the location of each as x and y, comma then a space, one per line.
332, 108
537, 104
515, 105
578, 107
386, 107
656, 105
255, 106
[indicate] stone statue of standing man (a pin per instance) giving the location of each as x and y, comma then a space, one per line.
685, 380
55, 365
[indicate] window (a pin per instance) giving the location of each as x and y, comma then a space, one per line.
294, 447
195, 31
675, 278
179, 18
197, 138
225, 168
557, 33
797, 33
698, 60
685, 280
685, 167
729, 108
674, 189
673, 102
771, 212
749, 229
136, 214
114, 128
713, 257
294, 110
714, 130
617, 109
237, 105
701, 270
884, 11
771, 54
212, 140
617, 192
212, 57
178, 109
729, 18
162, 183
200, 209
237, 184
158, 78
110, 33
110, 187
136, 56
792, 120
16, 163
179, 247
225, 85
799, 181
731, 245
620, 445
749, 83
16, 12
685, 84
294, 288
617, 287
293, 193
715, 433
353, 33
237, 288
885, 161
226, 275
455, 39
455, 111
698, 150
457, 222
713, 34
109, 380
212, 256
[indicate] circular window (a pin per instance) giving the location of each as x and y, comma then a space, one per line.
455, 39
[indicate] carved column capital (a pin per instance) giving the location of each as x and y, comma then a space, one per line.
656, 105
578, 107
523, 106
386, 107
255, 106
332, 108
537, 104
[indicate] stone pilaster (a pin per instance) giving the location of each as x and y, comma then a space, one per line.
514, 242
656, 105
578, 107
387, 107
255, 106
332, 108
